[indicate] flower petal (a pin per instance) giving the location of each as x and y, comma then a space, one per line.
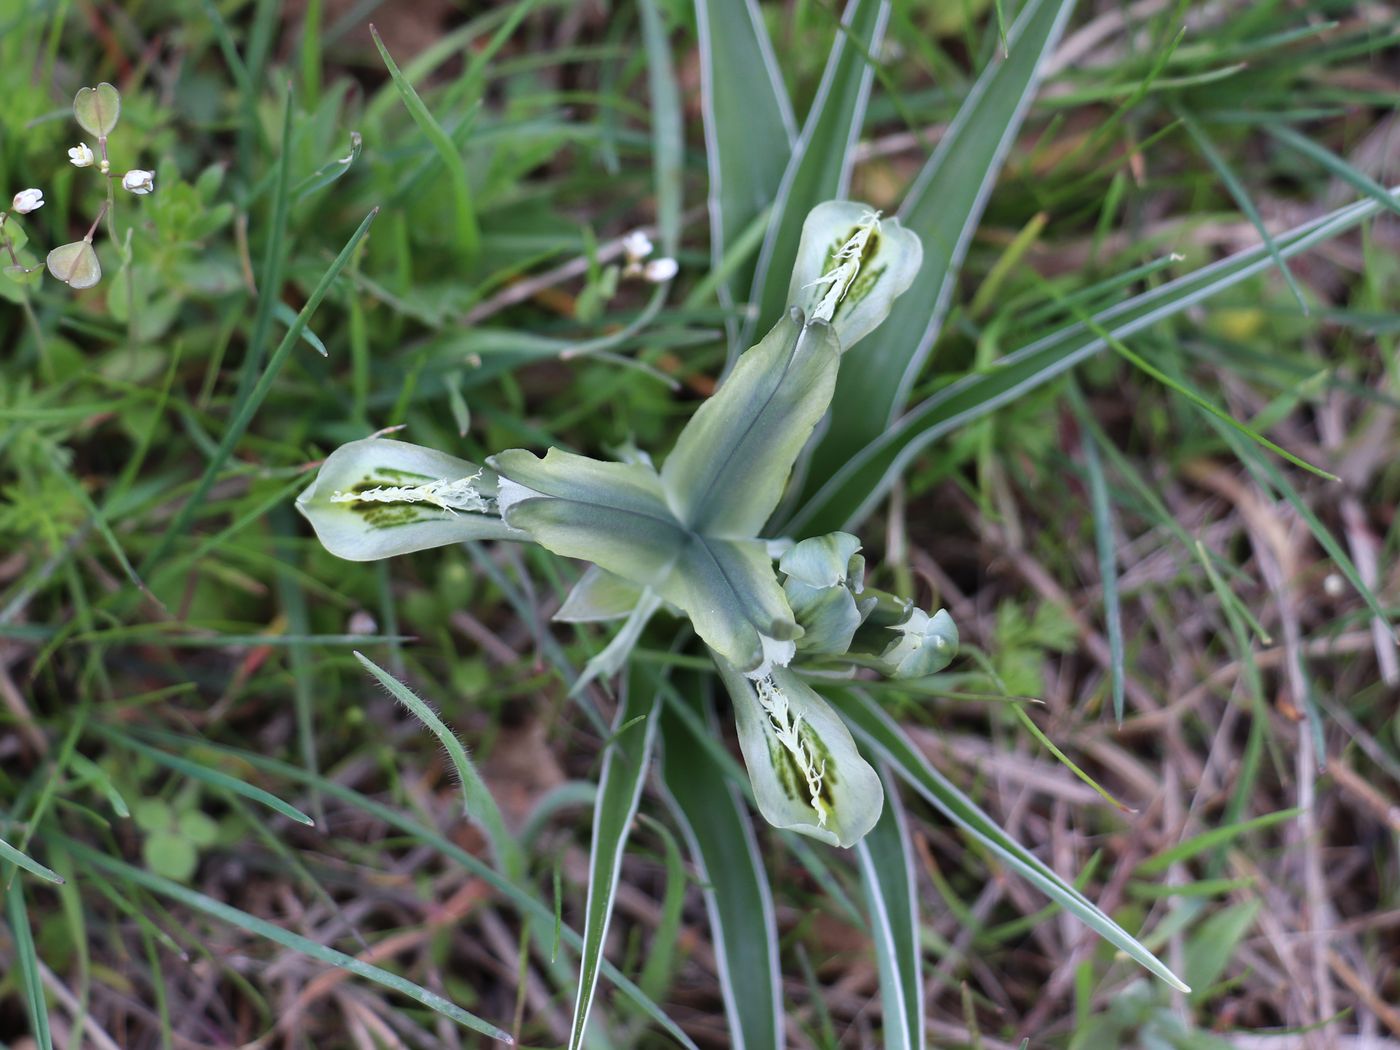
732, 460
889, 259
378, 497
806, 772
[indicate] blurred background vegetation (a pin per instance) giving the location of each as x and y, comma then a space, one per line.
174, 643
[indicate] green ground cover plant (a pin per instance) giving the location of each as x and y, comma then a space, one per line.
891, 510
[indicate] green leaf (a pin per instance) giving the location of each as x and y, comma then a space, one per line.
75, 264
806, 772
170, 854
464, 207
1105, 542
277, 935
734, 885
882, 734
207, 775
886, 859
943, 208
848, 253
732, 460
14, 856
98, 109
820, 166
845, 495
478, 804
619, 790
27, 963
1214, 943
248, 407
377, 497
749, 130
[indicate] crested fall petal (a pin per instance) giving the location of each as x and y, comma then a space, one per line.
851, 266
377, 497
731, 462
806, 771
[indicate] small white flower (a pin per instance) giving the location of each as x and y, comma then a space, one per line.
637, 245
139, 182
28, 200
80, 156
657, 271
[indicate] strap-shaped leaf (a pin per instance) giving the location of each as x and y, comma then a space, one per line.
619, 790
729, 466
887, 873
749, 130
737, 897
820, 168
377, 497
889, 741
943, 207
806, 772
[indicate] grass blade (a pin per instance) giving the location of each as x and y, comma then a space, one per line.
277, 935
244, 414
509, 889
464, 208
619, 790
886, 858
749, 130
738, 899
820, 167
9, 854
27, 962
1105, 546
204, 774
943, 207
881, 733
1359, 180
854, 486
477, 801
1241, 195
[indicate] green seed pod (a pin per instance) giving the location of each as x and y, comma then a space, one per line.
97, 109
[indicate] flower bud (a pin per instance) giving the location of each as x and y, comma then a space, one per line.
926, 645
28, 200
139, 182
658, 271
80, 156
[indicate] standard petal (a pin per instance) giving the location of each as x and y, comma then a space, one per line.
378, 497
806, 772
732, 460
889, 259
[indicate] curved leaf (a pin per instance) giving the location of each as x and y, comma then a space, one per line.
619, 790
878, 730
886, 859
735, 887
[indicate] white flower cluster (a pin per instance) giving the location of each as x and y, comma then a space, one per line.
637, 247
